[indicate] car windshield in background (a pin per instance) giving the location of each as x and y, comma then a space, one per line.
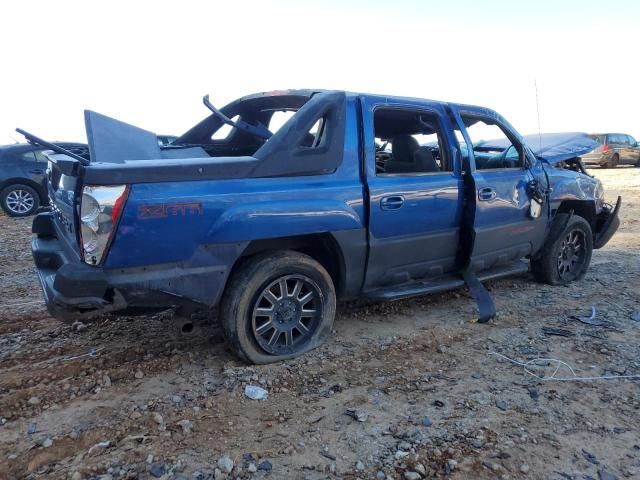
598, 138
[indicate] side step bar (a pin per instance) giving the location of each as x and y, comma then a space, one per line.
450, 282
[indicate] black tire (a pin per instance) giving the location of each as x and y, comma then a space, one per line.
612, 162
19, 200
567, 252
254, 308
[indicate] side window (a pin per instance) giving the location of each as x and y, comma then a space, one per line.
409, 142
491, 145
632, 141
27, 156
224, 131
40, 157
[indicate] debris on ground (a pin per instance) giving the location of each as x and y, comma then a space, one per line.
436, 405
592, 320
560, 332
359, 415
256, 393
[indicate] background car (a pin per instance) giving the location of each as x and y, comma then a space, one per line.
23, 176
614, 149
166, 139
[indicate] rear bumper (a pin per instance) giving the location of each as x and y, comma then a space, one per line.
71, 289
74, 290
608, 223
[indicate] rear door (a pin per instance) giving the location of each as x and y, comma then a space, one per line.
617, 142
39, 169
415, 191
503, 229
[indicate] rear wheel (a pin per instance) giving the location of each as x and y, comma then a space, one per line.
277, 306
613, 162
19, 200
567, 253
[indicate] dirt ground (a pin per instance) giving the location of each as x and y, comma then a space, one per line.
426, 394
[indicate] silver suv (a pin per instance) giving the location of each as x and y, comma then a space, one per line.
614, 149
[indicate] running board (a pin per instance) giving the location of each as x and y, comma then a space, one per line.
451, 282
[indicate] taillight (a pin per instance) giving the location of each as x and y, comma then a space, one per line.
100, 210
605, 148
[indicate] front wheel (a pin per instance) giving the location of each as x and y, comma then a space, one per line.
277, 306
567, 253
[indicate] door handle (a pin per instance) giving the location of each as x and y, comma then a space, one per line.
392, 202
486, 193
37, 171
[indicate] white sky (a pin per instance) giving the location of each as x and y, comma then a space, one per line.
149, 62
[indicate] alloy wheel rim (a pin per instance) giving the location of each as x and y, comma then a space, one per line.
20, 201
286, 314
571, 254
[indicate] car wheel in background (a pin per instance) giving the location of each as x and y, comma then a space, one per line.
277, 306
19, 200
613, 162
567, 252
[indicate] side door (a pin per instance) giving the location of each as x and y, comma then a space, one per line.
414, 189
503, 227
39, 169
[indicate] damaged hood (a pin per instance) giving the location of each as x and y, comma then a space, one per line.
552, 147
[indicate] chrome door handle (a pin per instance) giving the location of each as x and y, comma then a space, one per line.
486, 193
392, 202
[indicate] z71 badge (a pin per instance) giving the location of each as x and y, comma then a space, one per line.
164, 210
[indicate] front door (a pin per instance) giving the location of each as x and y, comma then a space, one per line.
503, 170
415, 192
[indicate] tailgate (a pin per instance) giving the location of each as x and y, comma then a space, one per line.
63, 186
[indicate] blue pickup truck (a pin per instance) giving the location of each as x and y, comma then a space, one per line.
281, 203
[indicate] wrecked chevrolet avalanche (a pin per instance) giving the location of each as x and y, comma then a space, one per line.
280, 203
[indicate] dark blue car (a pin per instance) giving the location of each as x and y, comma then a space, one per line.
23, 185
273, 221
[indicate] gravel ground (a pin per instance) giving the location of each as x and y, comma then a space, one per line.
404, 390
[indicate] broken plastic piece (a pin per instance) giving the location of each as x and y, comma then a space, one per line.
486, 307
255, 393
